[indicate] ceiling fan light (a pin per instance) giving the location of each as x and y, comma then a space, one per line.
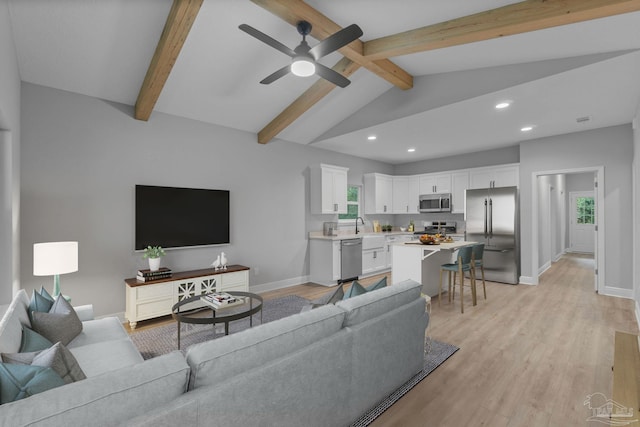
303, 67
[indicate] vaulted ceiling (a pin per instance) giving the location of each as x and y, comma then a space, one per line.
426, 74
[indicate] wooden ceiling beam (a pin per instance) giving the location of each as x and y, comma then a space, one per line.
176, 29
517, 18
308, 99
294, 11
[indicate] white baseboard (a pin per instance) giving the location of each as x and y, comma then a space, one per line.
612, 291
638, 314
280, 284
527, 280
545, 267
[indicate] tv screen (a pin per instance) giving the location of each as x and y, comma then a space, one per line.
180, 217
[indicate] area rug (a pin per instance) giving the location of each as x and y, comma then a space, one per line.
164, 339
438, 353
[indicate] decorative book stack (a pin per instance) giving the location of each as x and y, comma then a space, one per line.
147, 275
221, 300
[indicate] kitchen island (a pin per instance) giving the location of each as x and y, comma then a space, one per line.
413, 260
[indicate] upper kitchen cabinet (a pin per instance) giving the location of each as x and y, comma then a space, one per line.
406, 192
328, 189
459, 184
495, 176
378, 193
435, 183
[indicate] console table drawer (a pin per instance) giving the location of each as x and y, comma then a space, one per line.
161, 290
237, 280
154, 308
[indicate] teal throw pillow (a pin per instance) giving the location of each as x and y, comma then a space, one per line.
355, 289
61, 323
382, 283
20, 381
46, 294
39, 303
33, 341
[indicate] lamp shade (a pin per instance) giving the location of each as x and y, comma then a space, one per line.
53, 258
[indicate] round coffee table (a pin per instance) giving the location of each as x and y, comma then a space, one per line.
205, 314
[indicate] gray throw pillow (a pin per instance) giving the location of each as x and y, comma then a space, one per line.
61, 323
330, 297
57, 357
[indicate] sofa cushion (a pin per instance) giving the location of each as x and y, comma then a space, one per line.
102, 357
57, 357
20, 381
61, 323
99, 330
105, 400
374, 304
33, 341
216, 360
12, 321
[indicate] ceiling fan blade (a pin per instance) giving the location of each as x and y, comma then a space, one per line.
275, 76
332, 76
336, 41
267, 39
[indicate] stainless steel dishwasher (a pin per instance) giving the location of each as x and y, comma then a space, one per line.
350, 259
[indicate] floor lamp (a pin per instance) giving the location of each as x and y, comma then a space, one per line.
54, 259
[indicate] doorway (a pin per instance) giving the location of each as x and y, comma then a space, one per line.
582, 222
541, 228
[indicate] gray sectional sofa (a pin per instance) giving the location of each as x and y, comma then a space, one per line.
323, 367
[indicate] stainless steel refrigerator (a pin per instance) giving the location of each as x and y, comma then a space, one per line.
492, 216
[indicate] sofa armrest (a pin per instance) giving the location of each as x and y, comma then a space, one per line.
84, 312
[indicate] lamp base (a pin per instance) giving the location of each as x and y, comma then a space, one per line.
56, 288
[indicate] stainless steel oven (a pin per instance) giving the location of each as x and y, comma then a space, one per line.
435, 202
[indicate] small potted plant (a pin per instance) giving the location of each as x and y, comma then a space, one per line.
153, 253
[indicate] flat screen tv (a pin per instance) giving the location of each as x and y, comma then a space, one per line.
174, 217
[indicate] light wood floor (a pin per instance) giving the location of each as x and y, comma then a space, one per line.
529, 355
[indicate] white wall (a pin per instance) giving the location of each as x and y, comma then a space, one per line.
610, 147
81, 158
9, 158
551, 219
636, 210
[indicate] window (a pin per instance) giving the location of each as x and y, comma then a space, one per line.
353, 205
585, 207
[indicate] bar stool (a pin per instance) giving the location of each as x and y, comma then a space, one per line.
460, 267
478, 251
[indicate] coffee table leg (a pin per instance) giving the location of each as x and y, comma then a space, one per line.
178, 335
250, 310
226, 328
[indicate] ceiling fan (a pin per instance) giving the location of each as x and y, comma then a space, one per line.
304, 58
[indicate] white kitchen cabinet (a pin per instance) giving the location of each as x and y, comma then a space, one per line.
373, 254
392, 240
406, 192
495, 176
378, 193
459, 183
435, 183
373, 260
324, 261
328, 189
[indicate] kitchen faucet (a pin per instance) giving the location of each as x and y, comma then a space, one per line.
359, 218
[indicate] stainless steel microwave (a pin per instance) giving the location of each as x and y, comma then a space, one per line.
435, 202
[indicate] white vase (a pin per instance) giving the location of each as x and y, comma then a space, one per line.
154, 264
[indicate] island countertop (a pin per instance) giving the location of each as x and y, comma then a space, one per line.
439, 247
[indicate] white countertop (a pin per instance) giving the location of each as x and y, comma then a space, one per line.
351, 235
440, 247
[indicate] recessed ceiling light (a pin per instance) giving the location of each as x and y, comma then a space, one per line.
411, 150
372, 137
503, 104
526, 128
